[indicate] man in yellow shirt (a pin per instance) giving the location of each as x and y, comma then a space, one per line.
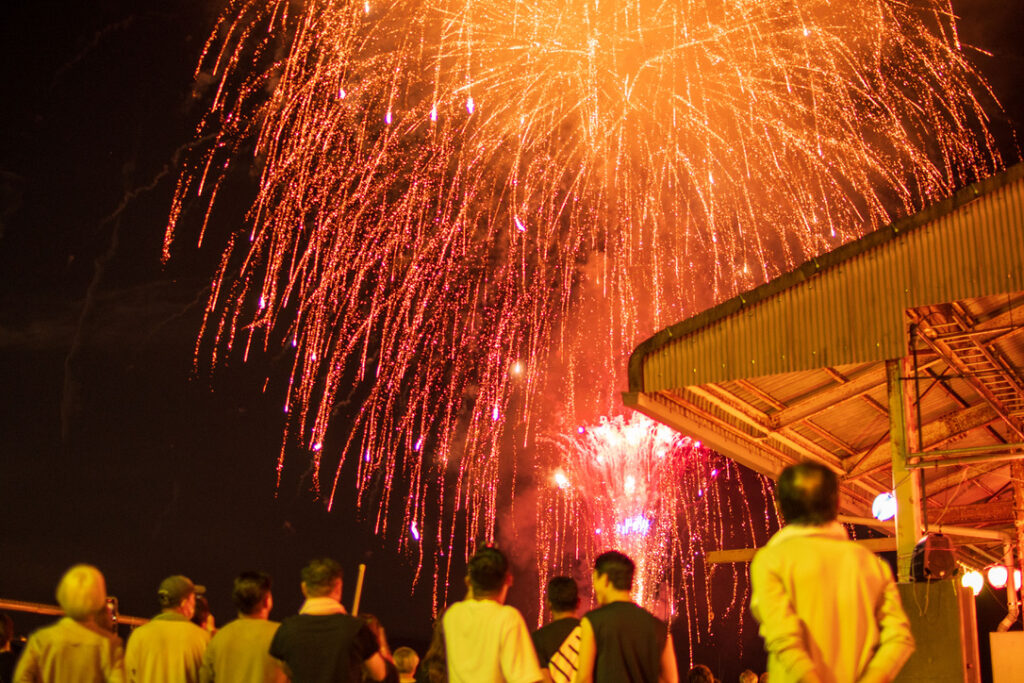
76, 648
168, 649
240, 651
828, 608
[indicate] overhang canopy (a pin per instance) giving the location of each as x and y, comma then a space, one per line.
796, 369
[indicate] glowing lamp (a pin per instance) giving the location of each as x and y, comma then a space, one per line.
884, 506
997, 575
1016, 579
972, 579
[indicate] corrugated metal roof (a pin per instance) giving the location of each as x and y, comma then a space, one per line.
847, 306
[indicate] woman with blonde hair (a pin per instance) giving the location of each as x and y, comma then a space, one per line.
76, 648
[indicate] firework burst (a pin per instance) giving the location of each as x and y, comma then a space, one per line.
640, 487
440, 181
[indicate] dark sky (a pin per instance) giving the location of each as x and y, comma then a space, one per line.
111, 451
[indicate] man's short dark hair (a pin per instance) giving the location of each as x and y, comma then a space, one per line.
808, 493
320, 576
487, 570
617, 567
249, 591
563, 594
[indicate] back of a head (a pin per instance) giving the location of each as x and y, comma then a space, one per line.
201, 613
700, 674
563, 594
320, 576
487, 570
617, 567
82, 592
175, 590
406, 660
249, 591
808, 493
748, 676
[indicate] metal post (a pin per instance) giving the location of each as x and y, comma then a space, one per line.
905, 482
1017, 477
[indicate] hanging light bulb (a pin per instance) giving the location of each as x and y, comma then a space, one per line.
973, 579
884, 506
1016, 579
997, 575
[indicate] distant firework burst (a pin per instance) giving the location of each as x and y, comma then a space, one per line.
439, 182
640, 487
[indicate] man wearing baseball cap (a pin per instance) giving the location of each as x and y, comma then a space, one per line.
170, 647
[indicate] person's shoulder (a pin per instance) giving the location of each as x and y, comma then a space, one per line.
234, 626
511, 613
640, 612
144, 628
460, 606
559, 628
545, 629
198, 632
463, 607
45, 634
292, 623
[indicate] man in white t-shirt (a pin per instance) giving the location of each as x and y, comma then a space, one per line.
486, 641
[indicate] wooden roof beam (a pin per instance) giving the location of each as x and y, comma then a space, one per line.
959, 477
933, 434
997, 512
828, 396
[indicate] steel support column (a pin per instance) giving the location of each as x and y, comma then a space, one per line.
1017, 477
905, 482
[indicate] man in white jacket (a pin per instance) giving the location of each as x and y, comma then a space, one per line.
828, 608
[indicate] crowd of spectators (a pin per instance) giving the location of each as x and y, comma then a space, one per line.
847, 625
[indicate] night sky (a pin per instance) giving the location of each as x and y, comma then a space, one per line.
112, 450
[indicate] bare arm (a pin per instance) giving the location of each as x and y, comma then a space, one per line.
588, 653
375, 667
669, 669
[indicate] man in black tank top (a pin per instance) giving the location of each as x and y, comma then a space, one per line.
622, 642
